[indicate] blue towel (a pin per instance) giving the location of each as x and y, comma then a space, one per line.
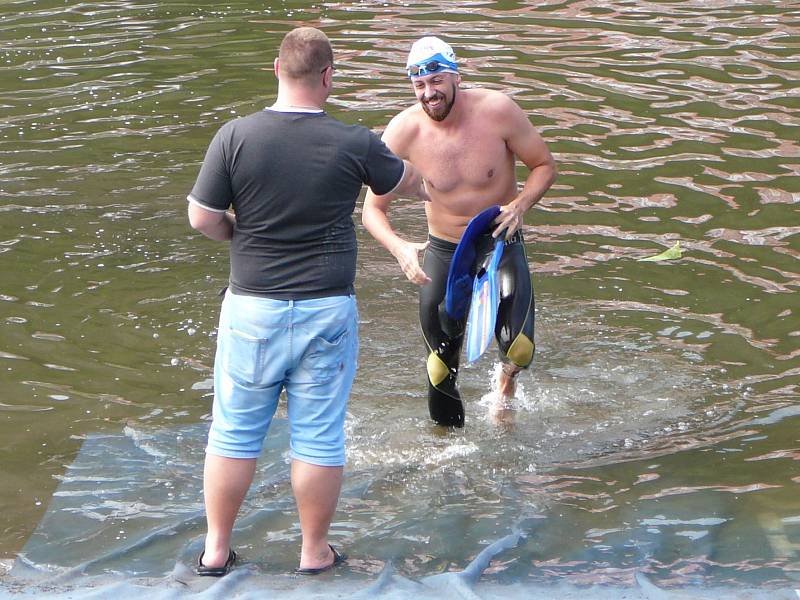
462, 267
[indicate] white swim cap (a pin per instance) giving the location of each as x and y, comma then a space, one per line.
431, 55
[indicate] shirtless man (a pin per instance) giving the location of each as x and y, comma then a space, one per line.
465, 142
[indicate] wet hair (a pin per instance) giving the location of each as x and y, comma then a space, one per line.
304, 54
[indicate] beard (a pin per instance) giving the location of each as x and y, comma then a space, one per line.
440, 112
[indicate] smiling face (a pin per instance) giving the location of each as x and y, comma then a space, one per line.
437, 93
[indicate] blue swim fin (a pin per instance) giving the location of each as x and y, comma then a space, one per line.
483, 308
461, 274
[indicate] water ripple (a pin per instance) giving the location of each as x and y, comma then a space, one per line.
659, 391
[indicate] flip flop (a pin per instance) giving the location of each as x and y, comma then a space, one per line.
337, 560
205, 571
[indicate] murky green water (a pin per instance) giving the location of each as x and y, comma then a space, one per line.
658, 429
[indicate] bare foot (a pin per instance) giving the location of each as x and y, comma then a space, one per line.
214, 555
502, 409
316, 560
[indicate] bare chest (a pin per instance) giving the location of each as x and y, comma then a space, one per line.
472, 158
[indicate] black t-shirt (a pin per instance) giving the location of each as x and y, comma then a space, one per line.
293, 179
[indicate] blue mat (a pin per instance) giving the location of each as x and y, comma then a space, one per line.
127, 521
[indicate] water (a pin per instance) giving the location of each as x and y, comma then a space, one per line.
657, 431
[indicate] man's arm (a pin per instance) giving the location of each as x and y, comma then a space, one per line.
375, 218
217, 225
411, 185
375, 214
529, 147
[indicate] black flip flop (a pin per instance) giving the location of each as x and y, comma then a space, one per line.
205, 571
337, 560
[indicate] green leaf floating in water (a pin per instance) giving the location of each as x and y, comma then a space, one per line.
671, 253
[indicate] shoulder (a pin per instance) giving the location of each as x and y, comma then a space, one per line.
239, 125
499, 111
494, 102
351, 137
331, 122
403, 129
243, 121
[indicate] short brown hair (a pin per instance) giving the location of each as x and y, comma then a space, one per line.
304, 53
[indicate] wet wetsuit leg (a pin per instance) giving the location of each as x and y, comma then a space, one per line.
443, 337
515, 316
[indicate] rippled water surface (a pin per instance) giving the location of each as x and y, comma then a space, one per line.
657, 431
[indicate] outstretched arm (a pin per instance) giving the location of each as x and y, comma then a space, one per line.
529, 147
375, 218
375, 215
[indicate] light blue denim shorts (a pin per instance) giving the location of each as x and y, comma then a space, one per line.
307, 347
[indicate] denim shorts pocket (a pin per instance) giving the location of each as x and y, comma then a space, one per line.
325, 358
243, 357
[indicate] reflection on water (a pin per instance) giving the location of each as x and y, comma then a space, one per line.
657, 429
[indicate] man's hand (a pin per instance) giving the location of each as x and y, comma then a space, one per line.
407, 255
509, 219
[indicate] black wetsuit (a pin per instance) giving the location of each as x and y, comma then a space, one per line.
444, 335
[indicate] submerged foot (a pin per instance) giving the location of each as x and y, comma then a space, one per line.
501, 409
203, 569
445, 405
214, 557
320, 562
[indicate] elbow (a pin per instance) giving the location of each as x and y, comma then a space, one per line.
202, 220
194, 216
201, 228
374, 213
200, 225
368, 209
366, 217
553, 172
195, 223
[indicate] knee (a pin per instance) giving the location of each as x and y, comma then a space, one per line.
437, 369
324, 448
520, 351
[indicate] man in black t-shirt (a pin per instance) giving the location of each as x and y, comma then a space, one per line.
292, 175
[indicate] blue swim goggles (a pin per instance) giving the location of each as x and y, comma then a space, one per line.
435, 64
